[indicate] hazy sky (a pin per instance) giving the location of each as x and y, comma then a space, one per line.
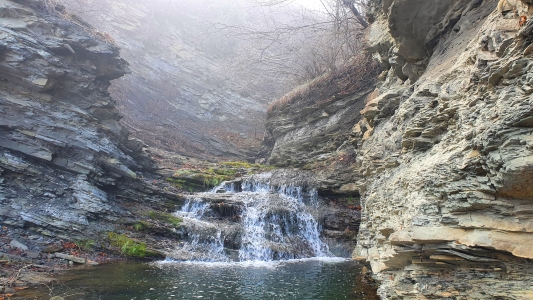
312, 4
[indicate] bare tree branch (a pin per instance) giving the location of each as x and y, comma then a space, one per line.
360, 19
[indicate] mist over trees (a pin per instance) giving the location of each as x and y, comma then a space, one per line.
282, 37
265, 37
197, 64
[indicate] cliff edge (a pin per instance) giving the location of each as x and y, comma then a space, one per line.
451, 216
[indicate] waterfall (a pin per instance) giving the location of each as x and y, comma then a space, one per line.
252, 220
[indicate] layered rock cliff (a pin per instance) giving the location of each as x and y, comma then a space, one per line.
443, 153
67, 166
311, 126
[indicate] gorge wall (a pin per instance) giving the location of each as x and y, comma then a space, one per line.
67, 167
442, 155
439, 151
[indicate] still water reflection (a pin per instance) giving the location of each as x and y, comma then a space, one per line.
327, 278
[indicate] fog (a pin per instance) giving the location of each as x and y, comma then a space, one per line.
204, 71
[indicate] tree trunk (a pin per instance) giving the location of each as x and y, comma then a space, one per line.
360, 19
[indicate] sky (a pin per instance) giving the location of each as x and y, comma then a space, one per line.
309, 4
312, 4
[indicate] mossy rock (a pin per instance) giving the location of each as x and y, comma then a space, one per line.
187, 184
194, 180
152, 253
246, 165
164, 217
126, 245
142, 226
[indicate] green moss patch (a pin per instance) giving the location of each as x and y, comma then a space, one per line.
198, 179
141, 226
167, 218
126, 245
85, 244
244, 165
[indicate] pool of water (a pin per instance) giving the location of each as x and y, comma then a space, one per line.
327, 278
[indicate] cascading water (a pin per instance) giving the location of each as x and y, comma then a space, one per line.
204, 238
259, 221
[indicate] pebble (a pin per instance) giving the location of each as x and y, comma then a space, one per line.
52, 248
19, 245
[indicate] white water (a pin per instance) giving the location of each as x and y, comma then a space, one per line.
205, 243
254, 263
277, 223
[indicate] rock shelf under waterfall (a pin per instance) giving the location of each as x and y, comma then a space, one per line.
257, 218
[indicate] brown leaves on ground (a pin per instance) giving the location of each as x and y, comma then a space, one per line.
359, 75
523, 20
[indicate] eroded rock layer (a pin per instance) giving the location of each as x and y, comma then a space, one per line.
451, 217
444, 156
311, 127
66, 164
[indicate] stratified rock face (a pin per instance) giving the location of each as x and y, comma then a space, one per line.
446, 157
442, 156
315, 137
63, 153
311, 126
302, 135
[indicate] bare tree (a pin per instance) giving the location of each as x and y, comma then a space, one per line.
299, 42
351, 5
